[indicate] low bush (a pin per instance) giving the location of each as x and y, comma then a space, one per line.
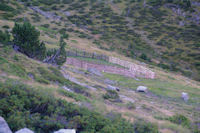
4, 37
37, 109
142, 126
111, 94
5, 7
130, 105
180, 120
56, 76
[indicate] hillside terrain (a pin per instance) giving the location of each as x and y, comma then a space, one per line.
159, 37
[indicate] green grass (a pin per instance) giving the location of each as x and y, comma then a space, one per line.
46, 29
12, 68
75, 96
158, 87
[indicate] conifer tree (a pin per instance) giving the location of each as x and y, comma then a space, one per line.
26, 37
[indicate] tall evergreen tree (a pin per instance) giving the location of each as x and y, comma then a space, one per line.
61, 58
26, 37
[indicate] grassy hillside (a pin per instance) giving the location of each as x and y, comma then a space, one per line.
162, 33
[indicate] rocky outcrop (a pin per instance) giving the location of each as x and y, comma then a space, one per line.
24, 130
48, 15
4, 128
66, 131
95, 71
142, 89
109, 87
185, 96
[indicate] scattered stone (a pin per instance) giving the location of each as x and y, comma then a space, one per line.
31, 75
142, 89
137, 79
185, 96
24, 130
48, 15
87, 105
16, 48
108, 81
109, 87
66, 131
95, 71
127, 98
67, 89
67, 13
4, 128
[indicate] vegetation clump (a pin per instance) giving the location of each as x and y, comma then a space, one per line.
26, 38
111, 94
37, 109
142, 126
180, 120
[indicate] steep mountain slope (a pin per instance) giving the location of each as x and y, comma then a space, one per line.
155, 32
164, 33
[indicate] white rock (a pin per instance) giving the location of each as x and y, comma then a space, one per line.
95, 71
24, 130
185, 96
67, 89
4, 128
110, 87
142, 89
66, 131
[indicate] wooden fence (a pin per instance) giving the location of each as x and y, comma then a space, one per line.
88, 55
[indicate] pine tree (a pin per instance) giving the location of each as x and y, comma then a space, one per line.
61, 58
26, 37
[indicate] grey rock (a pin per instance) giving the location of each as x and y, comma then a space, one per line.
66, 131
48, 15
31, 76
16, 48
108, 81
142, 89
127, 98
109, 87
95, 71
24, 130
67, 89
67, 13
4, 128
185, 96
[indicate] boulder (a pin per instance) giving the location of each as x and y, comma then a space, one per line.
95, 71
185, 96
67, 89
142, 89
24, 130
66, 131
4, 128
108, 81
110, 87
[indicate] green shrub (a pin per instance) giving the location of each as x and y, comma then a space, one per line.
4, 37
142, 126
41, 80
56, 76
180, 120
77, 97
37, 109
26, 37
111, 94
131, 105
5, 7
18, 70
